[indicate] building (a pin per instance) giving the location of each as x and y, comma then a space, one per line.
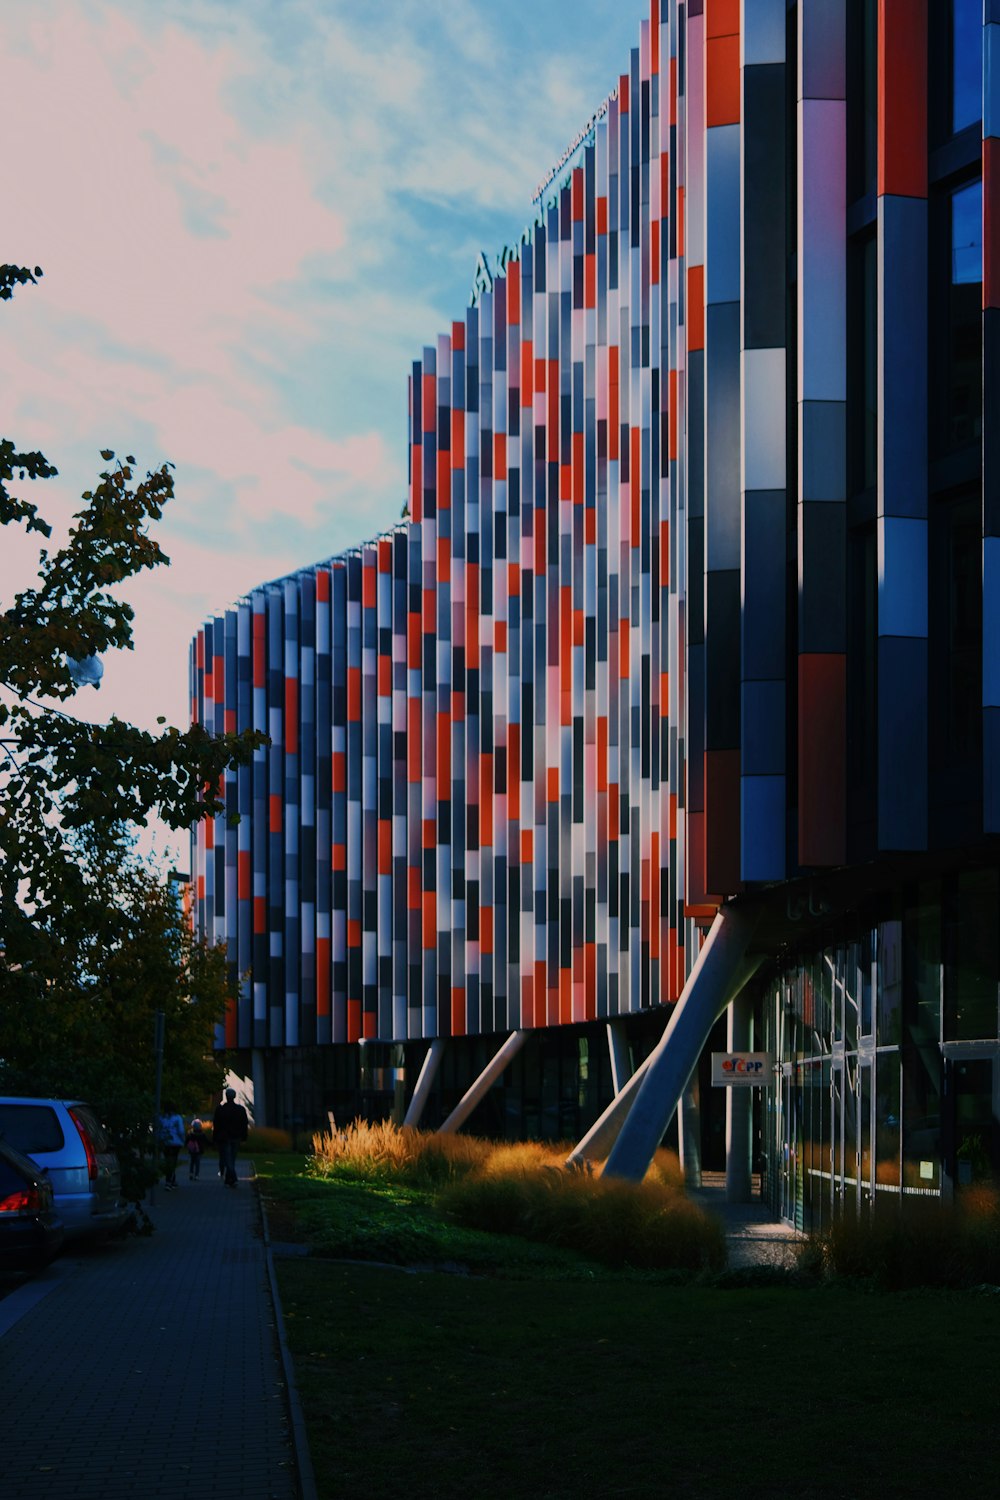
693, 628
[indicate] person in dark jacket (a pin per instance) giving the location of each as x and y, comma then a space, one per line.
229, 1130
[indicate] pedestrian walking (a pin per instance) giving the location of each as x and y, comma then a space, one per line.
171, 1140
197, 1144
230, 1126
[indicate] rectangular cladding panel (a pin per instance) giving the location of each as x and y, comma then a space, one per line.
821, 397
991, 428
902, 423
523, 743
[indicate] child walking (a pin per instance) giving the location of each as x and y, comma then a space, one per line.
196, 1143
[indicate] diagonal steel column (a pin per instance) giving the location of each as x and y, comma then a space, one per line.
722, 969
463, 1109
602, 1135
428, 1073
618, 1052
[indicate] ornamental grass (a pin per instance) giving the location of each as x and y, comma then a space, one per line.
918, 1243
384, 1152
646, 1226
522, 1188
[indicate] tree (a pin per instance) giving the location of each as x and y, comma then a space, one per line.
60, 775
77, 1017
91, 943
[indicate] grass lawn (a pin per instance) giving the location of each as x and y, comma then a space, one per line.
545, 1375
431, 1385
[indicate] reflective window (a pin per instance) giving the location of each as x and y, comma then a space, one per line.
963, 684
971, 958
865, 987
862, 345
887, 1094
889, 979
964, 397
922, 966
849, 963
975, 1124
862, 97
922, 1118
966, 63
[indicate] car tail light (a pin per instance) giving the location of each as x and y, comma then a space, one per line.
28, 1200
85, 1138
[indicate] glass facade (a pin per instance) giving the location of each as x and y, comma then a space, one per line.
886, 1041
965, 372
966, 63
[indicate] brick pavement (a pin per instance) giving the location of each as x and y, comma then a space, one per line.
150, 1366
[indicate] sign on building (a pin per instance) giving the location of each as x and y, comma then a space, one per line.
742, 1069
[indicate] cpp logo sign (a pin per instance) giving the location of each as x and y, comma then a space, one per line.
742, 1069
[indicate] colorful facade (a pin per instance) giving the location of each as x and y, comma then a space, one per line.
698, 595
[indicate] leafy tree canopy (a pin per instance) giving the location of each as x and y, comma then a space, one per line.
77, 1016
92, 943
58, 775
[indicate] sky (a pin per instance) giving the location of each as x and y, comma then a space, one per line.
251, 216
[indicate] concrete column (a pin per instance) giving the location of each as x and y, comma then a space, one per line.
602, 1135
621, 1062
722, 969
425, 1082
258, 1074
739, 1106
463, 1109
689, 1133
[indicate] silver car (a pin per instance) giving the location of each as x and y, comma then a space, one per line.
66, 1138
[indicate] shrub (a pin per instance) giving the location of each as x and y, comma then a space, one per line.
268, 1138
383, 1151
645, 1226
931, 1244
522, 1188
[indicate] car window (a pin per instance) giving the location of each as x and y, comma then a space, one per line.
31, 1127
84, 1115
10, 1181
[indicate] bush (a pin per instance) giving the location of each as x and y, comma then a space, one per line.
268, 1138
646, 1226
929, 1244
522, 1188
383, 1151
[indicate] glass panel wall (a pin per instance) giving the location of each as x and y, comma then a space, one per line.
964, 395
966, 63
861, 1029
971, 958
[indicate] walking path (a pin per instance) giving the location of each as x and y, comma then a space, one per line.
753, 1236
150, 1366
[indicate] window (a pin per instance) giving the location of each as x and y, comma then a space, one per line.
956, 294
966, 63
972, 964
862, 98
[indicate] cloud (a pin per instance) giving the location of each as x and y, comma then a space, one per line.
251, 218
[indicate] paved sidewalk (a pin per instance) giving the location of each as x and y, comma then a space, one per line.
150, 1367
753, 1236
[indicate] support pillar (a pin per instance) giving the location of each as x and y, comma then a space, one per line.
621, 1061
723, 967
689, 1133
602, 1135
258, 1075
463, 1109
425, 1082
739, 1106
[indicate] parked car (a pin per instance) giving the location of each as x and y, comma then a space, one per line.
65, 1137
31, 1233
